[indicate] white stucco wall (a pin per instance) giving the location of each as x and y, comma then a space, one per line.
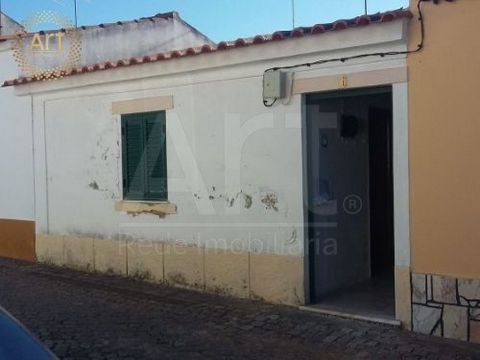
204, 147
222, 144
16, 157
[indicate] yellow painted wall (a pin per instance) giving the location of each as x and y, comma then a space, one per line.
17, 239
444, 116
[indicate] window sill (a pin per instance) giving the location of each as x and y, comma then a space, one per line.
146, 207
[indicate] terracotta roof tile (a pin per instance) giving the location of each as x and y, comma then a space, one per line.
227, 45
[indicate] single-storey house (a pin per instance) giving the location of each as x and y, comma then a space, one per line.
330, 167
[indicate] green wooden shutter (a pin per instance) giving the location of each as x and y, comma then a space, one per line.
144, 157
133, 162
155, 156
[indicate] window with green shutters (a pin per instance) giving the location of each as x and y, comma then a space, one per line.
144, 156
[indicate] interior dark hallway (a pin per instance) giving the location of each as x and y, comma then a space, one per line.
351, 191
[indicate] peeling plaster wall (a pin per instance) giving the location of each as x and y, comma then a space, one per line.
260, 210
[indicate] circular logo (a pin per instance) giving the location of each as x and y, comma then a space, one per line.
47, 55
352, 204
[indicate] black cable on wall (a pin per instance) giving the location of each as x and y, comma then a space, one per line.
420, 46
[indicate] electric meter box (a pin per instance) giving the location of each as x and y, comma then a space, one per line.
274, 84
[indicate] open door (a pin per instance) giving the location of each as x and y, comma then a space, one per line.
350, 191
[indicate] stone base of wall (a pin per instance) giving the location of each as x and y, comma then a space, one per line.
446, 306
273, 278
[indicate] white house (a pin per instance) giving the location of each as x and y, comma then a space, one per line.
172, 166
304, 167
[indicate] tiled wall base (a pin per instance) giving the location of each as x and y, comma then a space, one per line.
244, 274
447, 307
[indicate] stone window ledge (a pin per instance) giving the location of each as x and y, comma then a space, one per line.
144, 207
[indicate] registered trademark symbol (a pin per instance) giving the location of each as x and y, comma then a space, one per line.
352, 204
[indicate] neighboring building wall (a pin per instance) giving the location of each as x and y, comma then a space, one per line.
149, 36
17, 237
8, 25
445, 171
146, 36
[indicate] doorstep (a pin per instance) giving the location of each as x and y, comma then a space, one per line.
347, 315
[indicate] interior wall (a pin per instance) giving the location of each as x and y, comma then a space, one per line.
444, 140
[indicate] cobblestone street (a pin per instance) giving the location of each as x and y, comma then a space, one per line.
92, 316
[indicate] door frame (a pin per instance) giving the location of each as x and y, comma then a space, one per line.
401, 194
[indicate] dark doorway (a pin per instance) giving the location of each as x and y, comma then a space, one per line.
350, 200
381, 193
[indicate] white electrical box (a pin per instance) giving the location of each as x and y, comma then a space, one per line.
274, 84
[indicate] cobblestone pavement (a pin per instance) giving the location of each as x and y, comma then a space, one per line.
92, 316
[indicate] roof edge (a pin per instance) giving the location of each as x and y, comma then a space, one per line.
296, 33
